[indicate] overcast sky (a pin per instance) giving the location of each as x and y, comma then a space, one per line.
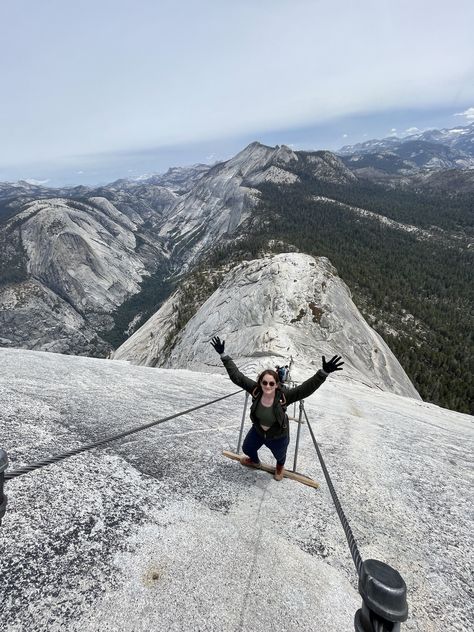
140, 83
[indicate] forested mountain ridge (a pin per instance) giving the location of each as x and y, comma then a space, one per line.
415, 291
406, 255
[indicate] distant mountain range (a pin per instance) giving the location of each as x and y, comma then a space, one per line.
430, 151
458, 138
82, 268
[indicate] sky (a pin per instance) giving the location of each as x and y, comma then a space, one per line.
99, 89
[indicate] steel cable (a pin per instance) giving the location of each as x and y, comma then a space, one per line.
89, 446
345, 524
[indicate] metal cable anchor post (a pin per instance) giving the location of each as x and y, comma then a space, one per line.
3, 497
384, 598
239, 444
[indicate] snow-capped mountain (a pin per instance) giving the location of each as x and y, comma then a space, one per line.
458, 138
399, 160
289, 307
408, 157
160, 532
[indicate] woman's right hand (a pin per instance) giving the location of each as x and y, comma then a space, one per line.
218, 344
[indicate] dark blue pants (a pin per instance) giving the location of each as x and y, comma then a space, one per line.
253, 442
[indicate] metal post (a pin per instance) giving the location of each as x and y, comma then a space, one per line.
243, 422
3, 497
293, 384
384, 598
300, 421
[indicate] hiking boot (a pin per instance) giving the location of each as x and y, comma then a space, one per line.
246, 460
279, 470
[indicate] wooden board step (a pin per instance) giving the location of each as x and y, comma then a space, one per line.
271, 470
296, 419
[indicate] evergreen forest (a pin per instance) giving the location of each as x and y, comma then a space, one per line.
416, 293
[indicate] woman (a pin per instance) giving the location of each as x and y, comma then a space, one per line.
270, 425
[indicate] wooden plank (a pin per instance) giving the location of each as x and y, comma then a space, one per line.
271, 470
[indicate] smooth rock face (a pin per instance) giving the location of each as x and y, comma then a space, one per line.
84, 252
159, 532
81, 264
269, 311
218, 203
32, 315
147, 346
223, 198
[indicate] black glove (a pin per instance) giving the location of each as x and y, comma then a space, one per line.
218, 344
334, 364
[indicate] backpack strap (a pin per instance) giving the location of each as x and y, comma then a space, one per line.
282, 400
281, 396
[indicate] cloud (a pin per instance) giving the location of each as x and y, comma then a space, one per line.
345, 135
469, 114
188, 94
36, 182
412, 130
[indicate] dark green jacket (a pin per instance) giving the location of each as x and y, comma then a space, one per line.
283, 398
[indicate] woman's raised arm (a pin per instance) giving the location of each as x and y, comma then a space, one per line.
308, 387
235, 375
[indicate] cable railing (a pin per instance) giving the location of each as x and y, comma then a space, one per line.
381, 587
9, 475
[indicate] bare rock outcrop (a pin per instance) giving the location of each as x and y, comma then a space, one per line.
283, 308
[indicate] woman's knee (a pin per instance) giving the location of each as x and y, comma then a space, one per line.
252, 442
279, 449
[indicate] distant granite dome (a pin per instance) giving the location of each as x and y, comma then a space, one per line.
269, 311
80, 263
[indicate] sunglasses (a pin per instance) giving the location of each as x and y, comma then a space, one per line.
265, 383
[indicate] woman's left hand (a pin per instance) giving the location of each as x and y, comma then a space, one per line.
334, 364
